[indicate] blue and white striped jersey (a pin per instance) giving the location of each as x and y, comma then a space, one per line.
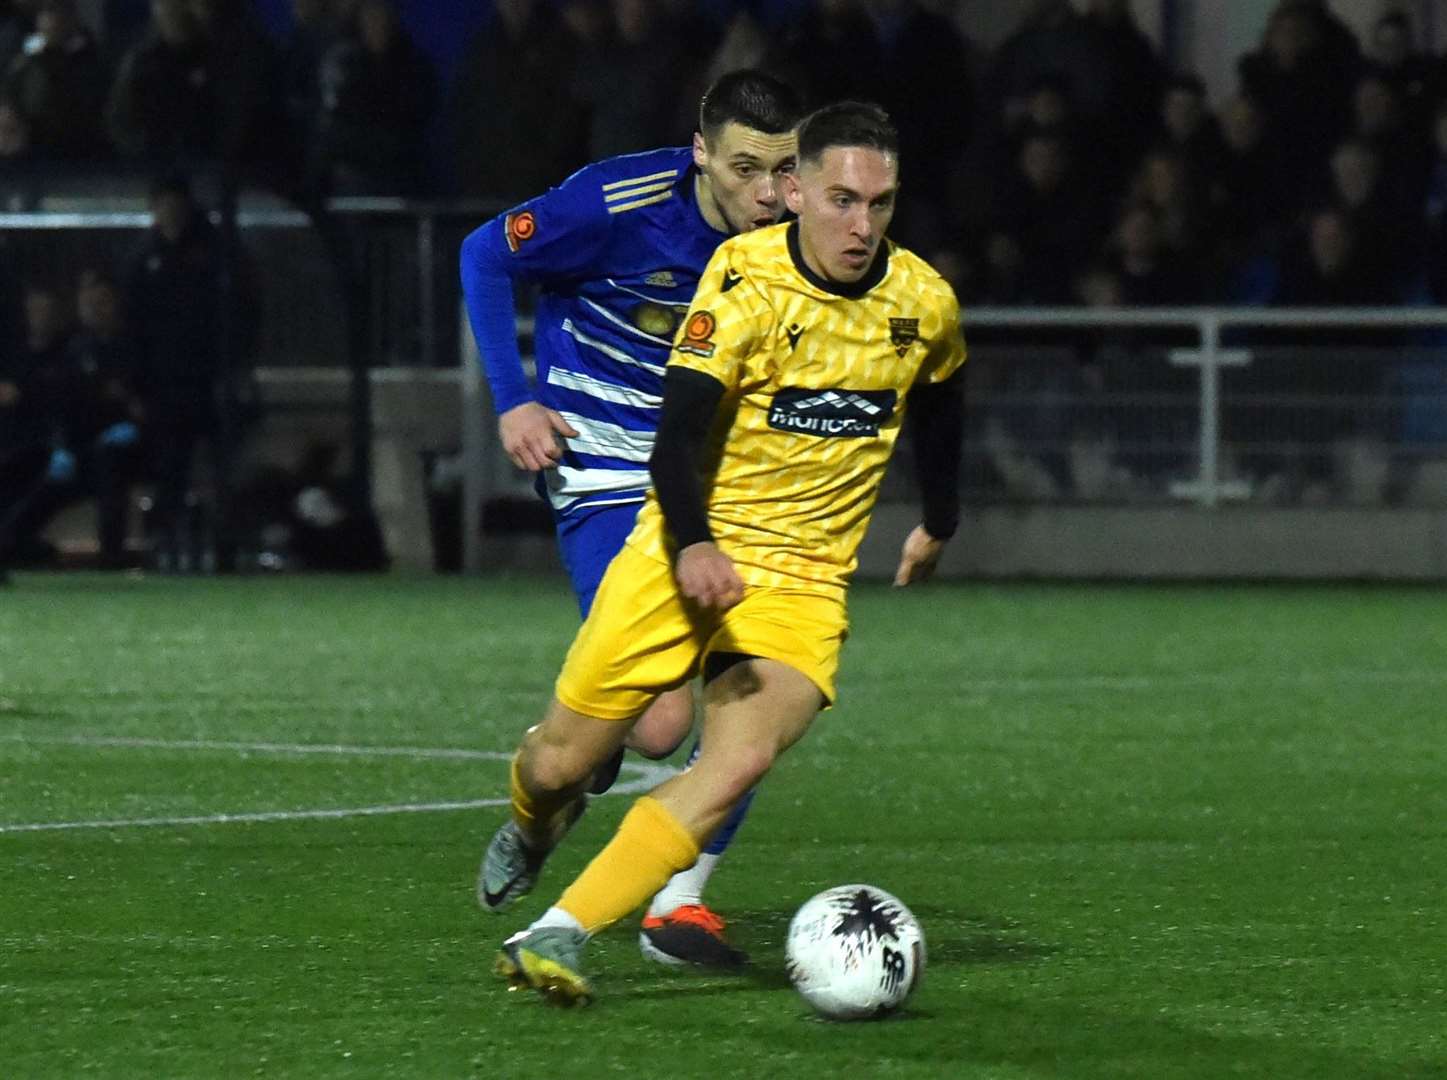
617, 250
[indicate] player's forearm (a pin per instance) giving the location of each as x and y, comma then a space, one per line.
492, 312
690, 400
937, 417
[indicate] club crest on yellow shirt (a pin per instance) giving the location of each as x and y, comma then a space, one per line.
902, 334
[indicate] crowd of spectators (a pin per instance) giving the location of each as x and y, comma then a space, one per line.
1069, 165
121, 381
1317, 181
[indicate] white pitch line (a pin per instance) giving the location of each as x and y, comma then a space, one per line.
647, 776
421, 752
1173, 680
262, 815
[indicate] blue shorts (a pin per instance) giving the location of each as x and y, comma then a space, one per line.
588, 541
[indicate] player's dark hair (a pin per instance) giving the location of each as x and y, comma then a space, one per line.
848, 123
751, 98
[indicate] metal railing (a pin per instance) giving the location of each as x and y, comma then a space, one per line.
420, 283
1223, 343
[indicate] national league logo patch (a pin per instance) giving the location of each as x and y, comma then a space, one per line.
519, 229
698, 334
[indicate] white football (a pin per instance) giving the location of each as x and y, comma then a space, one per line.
855, 952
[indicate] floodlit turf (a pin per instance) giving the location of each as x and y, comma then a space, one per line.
1150, 832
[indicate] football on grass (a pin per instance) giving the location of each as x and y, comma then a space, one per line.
855, 952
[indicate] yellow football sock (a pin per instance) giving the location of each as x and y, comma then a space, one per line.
537, 816
649, 847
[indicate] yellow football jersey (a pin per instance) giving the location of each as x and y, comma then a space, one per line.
815, 376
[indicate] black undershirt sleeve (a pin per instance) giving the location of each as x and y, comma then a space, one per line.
690, 401
937, 420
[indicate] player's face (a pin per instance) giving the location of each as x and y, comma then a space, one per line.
845, 201
741, 174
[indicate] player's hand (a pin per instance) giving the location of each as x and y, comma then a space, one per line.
920, 556
530, 436
707, 577
9, 393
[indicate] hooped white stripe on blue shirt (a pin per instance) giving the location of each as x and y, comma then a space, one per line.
677, 305
568, 485
611, 351
601, 310
603, 391
601, 439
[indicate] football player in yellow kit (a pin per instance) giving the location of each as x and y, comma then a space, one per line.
782, 402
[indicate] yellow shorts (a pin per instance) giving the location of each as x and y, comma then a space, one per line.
640, 639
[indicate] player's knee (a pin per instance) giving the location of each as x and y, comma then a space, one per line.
552, 765
742, 769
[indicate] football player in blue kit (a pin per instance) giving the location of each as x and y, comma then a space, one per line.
616, 251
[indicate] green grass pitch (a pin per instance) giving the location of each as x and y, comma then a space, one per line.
1151, 832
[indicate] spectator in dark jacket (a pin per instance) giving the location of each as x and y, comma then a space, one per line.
1134, 76
1301, 76
102, 352
375, 95
1188, 127
1393, 55
924, 81
523, 44
175, 303
1149, 273
1166, 182
1043, 227
314, 30
629, 81
34, 372
35, 389
1385, 237
163, 103
1326, 267
59, 82
1248, 199
61, 437
243, 63
1380, 118
14, 25
19, 187
832, 52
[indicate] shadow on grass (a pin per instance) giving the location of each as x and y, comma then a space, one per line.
1038, 1038
762, 934
1044, 1038
951, 938
1074, 1040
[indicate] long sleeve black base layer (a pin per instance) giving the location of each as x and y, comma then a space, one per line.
937, 418
690, 402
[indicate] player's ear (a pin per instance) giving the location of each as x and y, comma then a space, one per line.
700, 151
793, 197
